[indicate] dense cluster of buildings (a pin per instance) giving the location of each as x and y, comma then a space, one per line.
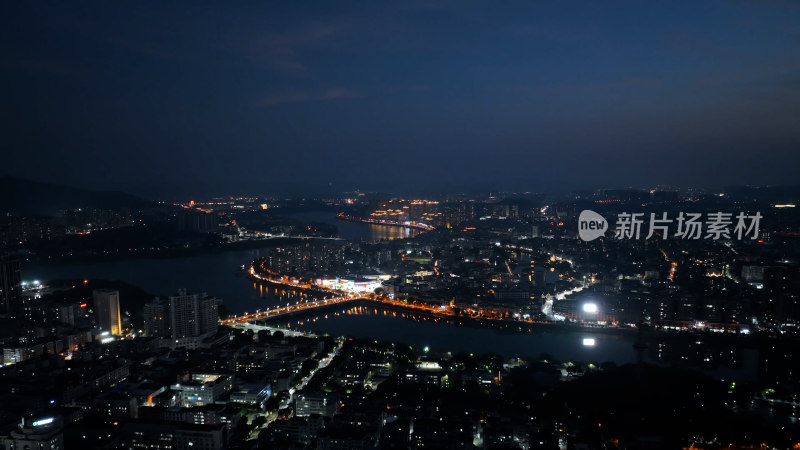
32, 326
81, 371
522, 258
134, 393
18, 230
385, 395
75, 374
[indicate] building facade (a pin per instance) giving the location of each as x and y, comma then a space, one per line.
10, 287
106, 305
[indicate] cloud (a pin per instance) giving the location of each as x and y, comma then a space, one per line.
299, 97
283, 51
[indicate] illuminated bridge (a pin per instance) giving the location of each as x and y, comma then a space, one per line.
340, 298
288, 310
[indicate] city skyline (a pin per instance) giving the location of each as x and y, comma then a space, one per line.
400, 225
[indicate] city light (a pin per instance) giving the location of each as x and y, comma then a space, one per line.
349, 217
41, 422
349, 285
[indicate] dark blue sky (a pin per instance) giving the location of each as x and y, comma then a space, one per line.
197, 98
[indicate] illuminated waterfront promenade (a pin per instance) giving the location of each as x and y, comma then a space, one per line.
337, 297
392, 223
489, 315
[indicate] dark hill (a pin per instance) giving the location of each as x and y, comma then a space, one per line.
34, 198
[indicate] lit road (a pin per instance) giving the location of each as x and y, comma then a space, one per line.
292, 236
343, 298
300, 386
673, 265
289, 309
322, 364
340, 297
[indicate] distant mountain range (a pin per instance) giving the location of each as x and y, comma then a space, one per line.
35, 198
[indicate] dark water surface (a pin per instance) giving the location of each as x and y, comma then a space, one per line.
221, 274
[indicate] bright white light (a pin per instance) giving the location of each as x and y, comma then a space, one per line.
588, 342
41, 422
590, 307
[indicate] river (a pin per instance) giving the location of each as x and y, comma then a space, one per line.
221, 274
356, 230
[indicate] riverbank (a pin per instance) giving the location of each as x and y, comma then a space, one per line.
387, 223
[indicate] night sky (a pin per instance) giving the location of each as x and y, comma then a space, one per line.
161, 98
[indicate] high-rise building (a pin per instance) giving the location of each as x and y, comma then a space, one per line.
208, 314
183, 315
157, 318
192, 315
10, 287
106, 305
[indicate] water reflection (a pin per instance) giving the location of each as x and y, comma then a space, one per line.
514, 340
356, 230
462, 336
272, 295
383, 232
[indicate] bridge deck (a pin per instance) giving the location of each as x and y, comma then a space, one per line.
284, 310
